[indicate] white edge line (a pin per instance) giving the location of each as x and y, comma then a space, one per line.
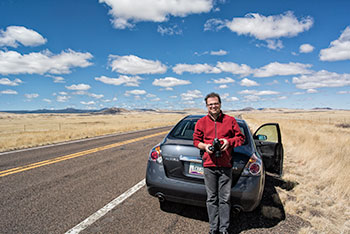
104, 210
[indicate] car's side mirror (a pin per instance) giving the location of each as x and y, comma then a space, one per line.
261, 137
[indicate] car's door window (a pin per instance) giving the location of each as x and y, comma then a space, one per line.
269, 144
270, 132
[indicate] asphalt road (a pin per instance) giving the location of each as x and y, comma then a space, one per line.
53, 189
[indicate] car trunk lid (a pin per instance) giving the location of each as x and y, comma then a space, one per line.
183, 161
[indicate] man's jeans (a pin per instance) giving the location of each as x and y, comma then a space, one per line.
218, 185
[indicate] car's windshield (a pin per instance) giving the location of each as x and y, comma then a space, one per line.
185, 129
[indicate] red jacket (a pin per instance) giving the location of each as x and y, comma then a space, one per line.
226, 127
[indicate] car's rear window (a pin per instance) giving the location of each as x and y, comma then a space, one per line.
185, 129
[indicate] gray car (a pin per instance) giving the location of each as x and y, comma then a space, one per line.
175, 172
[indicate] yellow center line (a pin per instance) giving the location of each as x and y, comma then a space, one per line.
75, 155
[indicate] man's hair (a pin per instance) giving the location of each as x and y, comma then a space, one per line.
210, 95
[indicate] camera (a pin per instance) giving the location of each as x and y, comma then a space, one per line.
216, 148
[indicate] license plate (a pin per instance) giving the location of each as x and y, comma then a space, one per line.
196, 169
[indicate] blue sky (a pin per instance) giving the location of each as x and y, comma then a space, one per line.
92, 54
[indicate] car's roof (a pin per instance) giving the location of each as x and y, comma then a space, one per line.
196, 117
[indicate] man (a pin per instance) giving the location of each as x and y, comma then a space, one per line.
217, 165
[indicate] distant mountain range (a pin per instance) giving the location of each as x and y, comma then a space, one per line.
112, 110
115, 110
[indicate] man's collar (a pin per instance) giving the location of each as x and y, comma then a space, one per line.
219, 116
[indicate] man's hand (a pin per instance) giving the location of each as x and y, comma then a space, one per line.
224, 145
207, 149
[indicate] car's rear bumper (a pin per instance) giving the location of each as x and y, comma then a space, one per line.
246, 193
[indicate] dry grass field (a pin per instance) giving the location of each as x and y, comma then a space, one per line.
316, 143
19, 131
317, 147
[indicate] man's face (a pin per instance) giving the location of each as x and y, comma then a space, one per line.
214, 106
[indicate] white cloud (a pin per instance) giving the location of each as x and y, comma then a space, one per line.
338, 49
12, 62
311, 91
174, 30
224, 86
191, 94
62, 98
31, 95
269, 27
258, 93
225, 80
214, 25
343, 92
126, 13
226, 97
150, 95
267, 92
8, 91
219, 53
306, 48
58, 79
322, 79
122, 80
252, 98
248, 83
298, 93
234, 68
155, 99
15, 35
200, 54
272, 69
232, 99
97, 96
282, 69
132, 64
79, 92
6, 81
195, 68
169, 82
274, 44
88, 103
136, 92
47, 100
80, 87
106, 100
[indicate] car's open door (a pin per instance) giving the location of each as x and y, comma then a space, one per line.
268, 141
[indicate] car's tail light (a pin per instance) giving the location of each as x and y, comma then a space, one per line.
156, 155
253, 167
